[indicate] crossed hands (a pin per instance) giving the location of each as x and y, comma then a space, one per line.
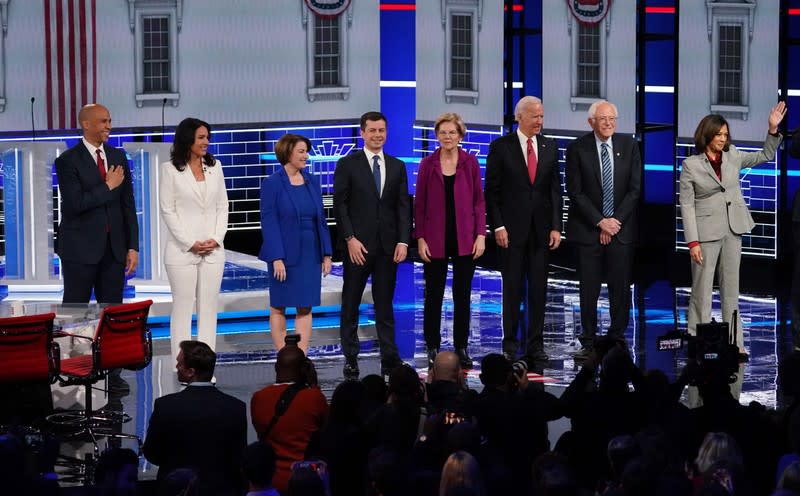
204, 248
609, 227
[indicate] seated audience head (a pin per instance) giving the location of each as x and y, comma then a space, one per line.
621, 450
347, 403
617, 367
464, 436
376, 388
447, 367
461, 470
258, 465
717, 446
639, 477
290, 364
306, 481
404, 383
180, 482
551, 475
285, 146
790, 479
116, 472
496, 370
387, 471
725, 477
196, 362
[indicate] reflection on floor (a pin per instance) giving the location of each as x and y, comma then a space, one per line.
246, 358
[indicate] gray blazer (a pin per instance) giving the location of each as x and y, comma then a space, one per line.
710, 206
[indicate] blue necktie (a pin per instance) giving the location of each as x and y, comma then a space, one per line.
608, 182
376, 172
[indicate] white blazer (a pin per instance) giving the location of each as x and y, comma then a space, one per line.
188, 216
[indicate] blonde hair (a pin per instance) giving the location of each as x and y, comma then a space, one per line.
717, 446
461, 470
451, 117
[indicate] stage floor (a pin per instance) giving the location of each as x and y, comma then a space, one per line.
246, 357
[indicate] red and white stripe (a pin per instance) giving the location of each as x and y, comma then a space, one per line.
71, 60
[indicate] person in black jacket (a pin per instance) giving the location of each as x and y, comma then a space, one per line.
200, 427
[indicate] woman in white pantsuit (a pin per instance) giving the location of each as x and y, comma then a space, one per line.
715, 214
194, 207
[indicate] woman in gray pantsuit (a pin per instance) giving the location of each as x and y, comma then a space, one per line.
715, 214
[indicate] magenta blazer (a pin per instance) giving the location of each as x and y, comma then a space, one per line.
429, 203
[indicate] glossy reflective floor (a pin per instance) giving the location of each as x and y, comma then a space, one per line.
246, 356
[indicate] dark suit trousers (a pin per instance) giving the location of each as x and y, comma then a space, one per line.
521, 264
107, 277
384, 275
435, 279
615, 258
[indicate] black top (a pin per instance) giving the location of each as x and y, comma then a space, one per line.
450, 239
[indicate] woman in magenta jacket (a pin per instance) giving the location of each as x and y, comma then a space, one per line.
450, 224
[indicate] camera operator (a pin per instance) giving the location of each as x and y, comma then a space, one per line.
602, 412
290, 412
512, 415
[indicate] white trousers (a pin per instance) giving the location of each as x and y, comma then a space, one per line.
199, 282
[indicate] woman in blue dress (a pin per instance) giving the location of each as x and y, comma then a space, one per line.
296, 242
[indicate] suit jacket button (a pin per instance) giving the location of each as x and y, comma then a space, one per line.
723, 190
729, 204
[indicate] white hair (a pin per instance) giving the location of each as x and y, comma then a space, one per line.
593, 108
524, 102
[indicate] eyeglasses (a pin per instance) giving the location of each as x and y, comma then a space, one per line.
442, 132
605, 119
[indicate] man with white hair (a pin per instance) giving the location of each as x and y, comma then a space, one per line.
523, 204
604, 178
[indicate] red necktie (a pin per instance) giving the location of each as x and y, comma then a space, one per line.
531, 161
101, 165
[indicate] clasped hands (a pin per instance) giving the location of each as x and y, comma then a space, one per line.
609, 227
204, 248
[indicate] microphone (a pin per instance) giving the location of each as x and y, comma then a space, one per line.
33, 123
163, 104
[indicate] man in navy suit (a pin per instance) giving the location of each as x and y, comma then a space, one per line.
604, 182
200, 427
98, 237
523, 204
373, 217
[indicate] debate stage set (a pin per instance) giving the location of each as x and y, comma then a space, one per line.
257, 70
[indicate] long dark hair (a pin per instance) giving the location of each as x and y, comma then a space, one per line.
183, 141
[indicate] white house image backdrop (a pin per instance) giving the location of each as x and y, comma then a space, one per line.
589, 53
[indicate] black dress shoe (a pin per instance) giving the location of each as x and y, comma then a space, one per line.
431, 351
464, 358
388, 365
350, 370
743, 357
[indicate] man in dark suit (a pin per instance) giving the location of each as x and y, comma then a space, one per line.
98, 237
523, 203
200, 427
604, 176
372, 209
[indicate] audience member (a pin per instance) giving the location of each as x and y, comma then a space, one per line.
396, 423
290, 412
790, 479
387, 472
116, 472
200, 427
307, 481
461, 470
342, 442
512, 415
551, 475
447, 391
258, 468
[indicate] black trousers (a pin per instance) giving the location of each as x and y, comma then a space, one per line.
384, 275
522, 266
615, 260
435, 273
107, 278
